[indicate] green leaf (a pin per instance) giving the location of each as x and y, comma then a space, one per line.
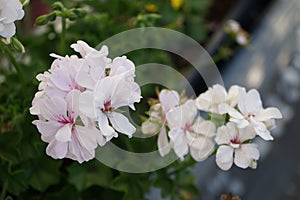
44, 172
87, 174
14, 181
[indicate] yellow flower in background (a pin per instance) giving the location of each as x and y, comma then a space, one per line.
176, 4
150, 7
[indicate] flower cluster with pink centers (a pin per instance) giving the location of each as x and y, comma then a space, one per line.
79, 99
234, 118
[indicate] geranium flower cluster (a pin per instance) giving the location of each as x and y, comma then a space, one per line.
10, 11
234, 119
78, 100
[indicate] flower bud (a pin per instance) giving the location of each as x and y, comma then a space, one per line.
57, 6
42, 20
79, 12
70, 15
17, 45
51, 16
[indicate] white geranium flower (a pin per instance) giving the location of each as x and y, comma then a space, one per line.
216, 99
188, 130
10, 11
157, 119
58, 81
233, 149
100, 66
101, 104
59, 128
252, 113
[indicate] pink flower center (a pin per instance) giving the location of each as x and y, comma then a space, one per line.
66, 119
249, 116
107, 106
188, 127
235, 140
75, 86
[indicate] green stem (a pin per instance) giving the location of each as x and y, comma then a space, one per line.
15, 64
63, 36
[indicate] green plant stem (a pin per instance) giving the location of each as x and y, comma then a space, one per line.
63, 36
15, 64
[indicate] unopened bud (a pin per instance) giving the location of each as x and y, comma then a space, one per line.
51, 16
79, 12
42, 20
17, 45
57, 6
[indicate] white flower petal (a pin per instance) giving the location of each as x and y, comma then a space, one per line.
261, 130
253, 102
268, 113
149, 127
64, 133
57, 149
168, 99
104, 127
87, 136
182, 115
234, 93
48, 127
201, 148
204, 101
52, 108
224, 157
87, 104
121, 123
245, 155
223, 135
163, 143
72, 100
206, 128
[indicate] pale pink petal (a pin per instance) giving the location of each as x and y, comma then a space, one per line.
86, 136
163, 143
224, 157
52, 108
64, 133
168, 99
122, 65
79, 152
72, 100
48, 127
175, 134
121, 123
182, 115
84, 79
104, 127
57, 149
87, 104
